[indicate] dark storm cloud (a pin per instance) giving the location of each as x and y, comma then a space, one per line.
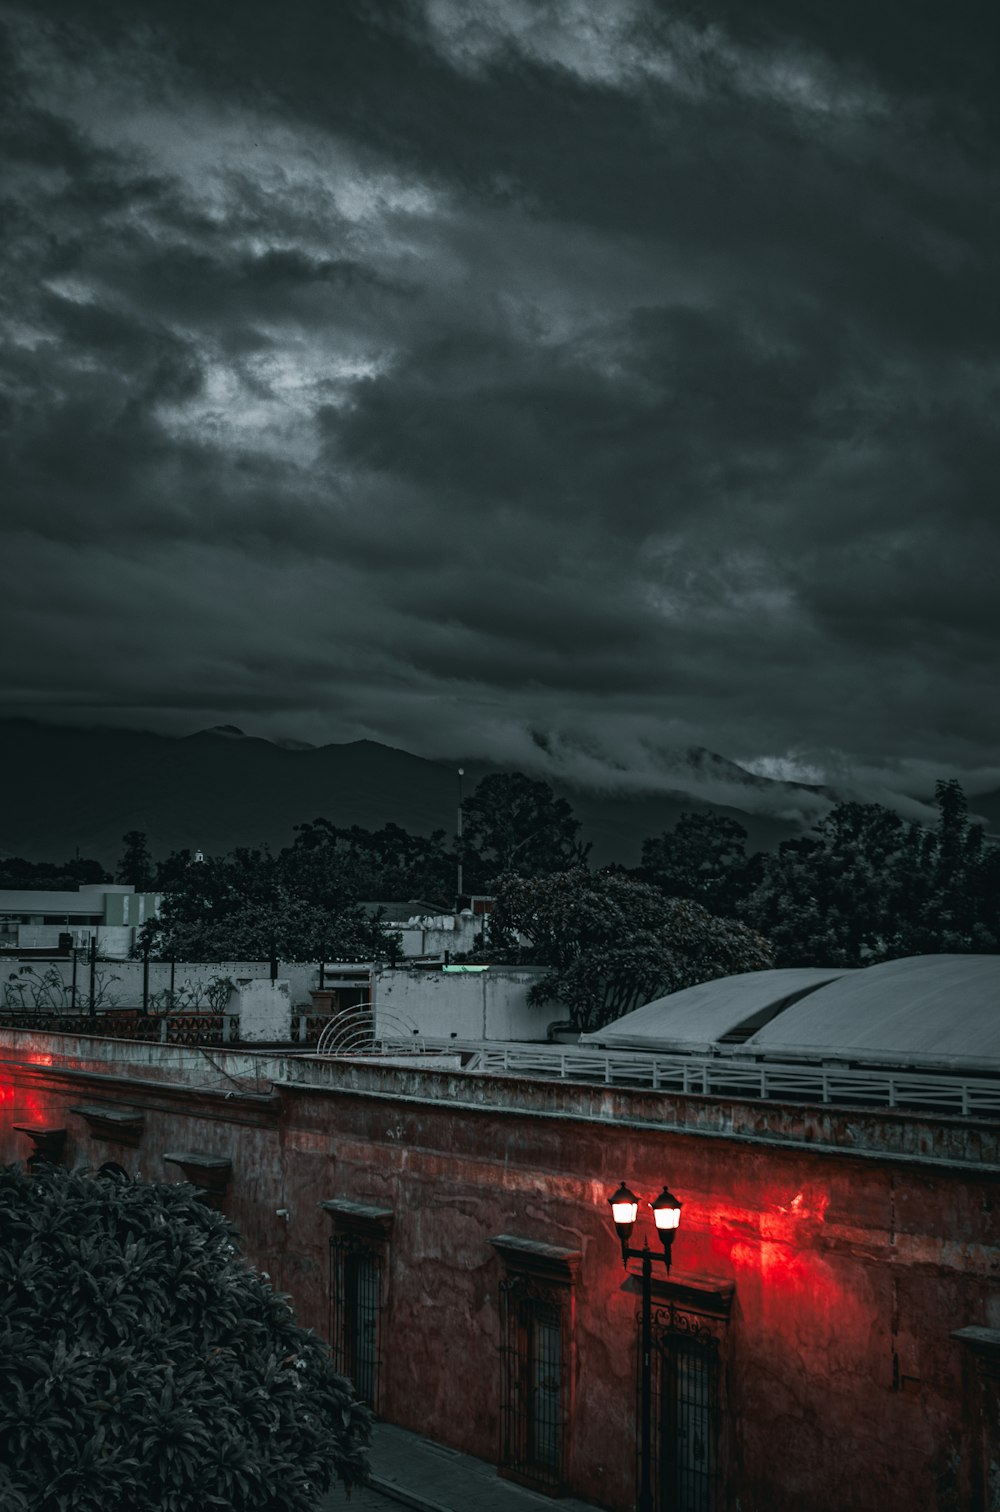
449, 374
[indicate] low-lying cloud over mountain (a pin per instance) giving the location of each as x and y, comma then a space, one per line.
220, 787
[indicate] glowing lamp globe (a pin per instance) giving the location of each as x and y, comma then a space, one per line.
666, 1210
624, 1207
667, 1217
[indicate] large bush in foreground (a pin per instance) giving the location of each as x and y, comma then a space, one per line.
143, 1364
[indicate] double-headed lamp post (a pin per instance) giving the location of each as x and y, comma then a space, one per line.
667, 1216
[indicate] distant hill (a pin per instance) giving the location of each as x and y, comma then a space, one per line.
986, 807
73, 788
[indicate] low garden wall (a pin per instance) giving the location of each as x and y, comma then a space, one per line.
181, 986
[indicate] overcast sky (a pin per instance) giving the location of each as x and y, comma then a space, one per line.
610, 374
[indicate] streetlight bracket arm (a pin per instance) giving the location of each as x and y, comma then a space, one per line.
642, 1254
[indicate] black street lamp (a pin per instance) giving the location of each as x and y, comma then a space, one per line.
667, 1216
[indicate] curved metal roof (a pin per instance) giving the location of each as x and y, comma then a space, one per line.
696, 1018
936, 1010
940, 1008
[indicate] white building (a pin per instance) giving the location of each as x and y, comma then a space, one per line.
42, 919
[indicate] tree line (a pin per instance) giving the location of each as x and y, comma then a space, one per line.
863, 886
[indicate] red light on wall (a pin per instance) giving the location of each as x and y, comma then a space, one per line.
28, 1107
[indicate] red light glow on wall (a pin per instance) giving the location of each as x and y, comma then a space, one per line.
777, 1250
19, 1105
31, 1109
807, 1203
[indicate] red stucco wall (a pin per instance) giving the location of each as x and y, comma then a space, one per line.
843, 1385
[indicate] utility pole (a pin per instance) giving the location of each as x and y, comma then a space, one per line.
458, 836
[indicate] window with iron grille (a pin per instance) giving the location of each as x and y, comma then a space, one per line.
358, 1253
687, 1411
536, 1342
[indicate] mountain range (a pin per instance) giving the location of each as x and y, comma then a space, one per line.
79, 790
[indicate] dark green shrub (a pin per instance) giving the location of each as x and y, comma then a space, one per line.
144, 1364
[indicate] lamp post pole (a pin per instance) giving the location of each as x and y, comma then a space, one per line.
645, 1503
667, 1216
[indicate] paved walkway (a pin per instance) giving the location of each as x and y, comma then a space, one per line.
414, 1472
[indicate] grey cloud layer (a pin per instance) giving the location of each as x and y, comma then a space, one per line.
623, 373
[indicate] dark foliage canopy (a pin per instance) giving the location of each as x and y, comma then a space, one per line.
247, 906
57, 876
144, 1364
866, 886
512, 823
329, 865
703, 858
611, 942
863, 885
135, 866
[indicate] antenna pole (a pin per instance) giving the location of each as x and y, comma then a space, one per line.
458, 836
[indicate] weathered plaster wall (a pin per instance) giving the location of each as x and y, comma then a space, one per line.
264, 1009
123, 979
490, 1004
847, 1392
839, 1352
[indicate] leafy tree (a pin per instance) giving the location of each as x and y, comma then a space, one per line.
704, 858
144, 1364
866, 887
318, 867
136, 864
831, 899
512, 823
612, 943
401, 865
196, 892
173, 872
81, 871
287, 929
331, 866
953, 895
240, 908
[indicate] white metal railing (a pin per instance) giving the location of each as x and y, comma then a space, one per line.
943, 1092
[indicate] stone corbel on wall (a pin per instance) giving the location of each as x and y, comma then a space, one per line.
984, 1344
209, 1173
706, 1296
117, 1125
359, 1218
531, 1257
47, 1144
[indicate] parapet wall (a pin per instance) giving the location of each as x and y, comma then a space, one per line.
121, 982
